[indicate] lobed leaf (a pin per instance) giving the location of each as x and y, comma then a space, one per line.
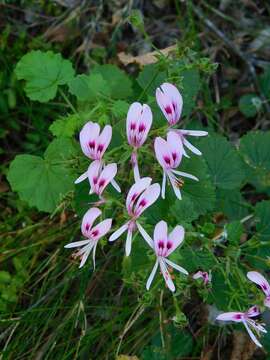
42, 182
43, 73
224, 164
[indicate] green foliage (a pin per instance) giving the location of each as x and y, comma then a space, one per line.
224, 164
191, 86
43, 73
150, 78
249, 105
120, 108
183, 211
262, 214
193, 259
101, 84
88, 87
234, 231
202, 192
46, 182
179, 344
117, 81
67, 126
232, 204
43, 182
254, 147
11, 283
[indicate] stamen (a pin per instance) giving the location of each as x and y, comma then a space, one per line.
179, 183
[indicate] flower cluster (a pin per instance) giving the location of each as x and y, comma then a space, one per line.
143, 193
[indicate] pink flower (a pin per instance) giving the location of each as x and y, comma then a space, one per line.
203, 275
139, 121
140, 196
170, 102
169, 155
163, 245
94, 143
100, 176
93, 234
246, 319
260, 280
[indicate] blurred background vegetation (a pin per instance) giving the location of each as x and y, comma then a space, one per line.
44, 313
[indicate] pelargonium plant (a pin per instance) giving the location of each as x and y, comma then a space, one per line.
181, 210
144, 194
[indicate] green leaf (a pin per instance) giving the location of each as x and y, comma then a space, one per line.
89, 87
118, 83
120, 108
181, 343
194, 259
234, 231
43, 73
43, 182
249, 105
198, 197
232, 204
254, 147
225, 166
65, 127
82, 199
262, 214
191, 87
5, 277
183, 210
150, 78
201, 193
61, 150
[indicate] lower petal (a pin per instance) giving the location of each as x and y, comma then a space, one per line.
128, 242
163, 188
152, 275
94, 255
81, 178
115, 185
184, 174
252, 336
166, 275
144, 234
191, 147
76, 244
175, 187
118, 232
176, 267
194, 132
